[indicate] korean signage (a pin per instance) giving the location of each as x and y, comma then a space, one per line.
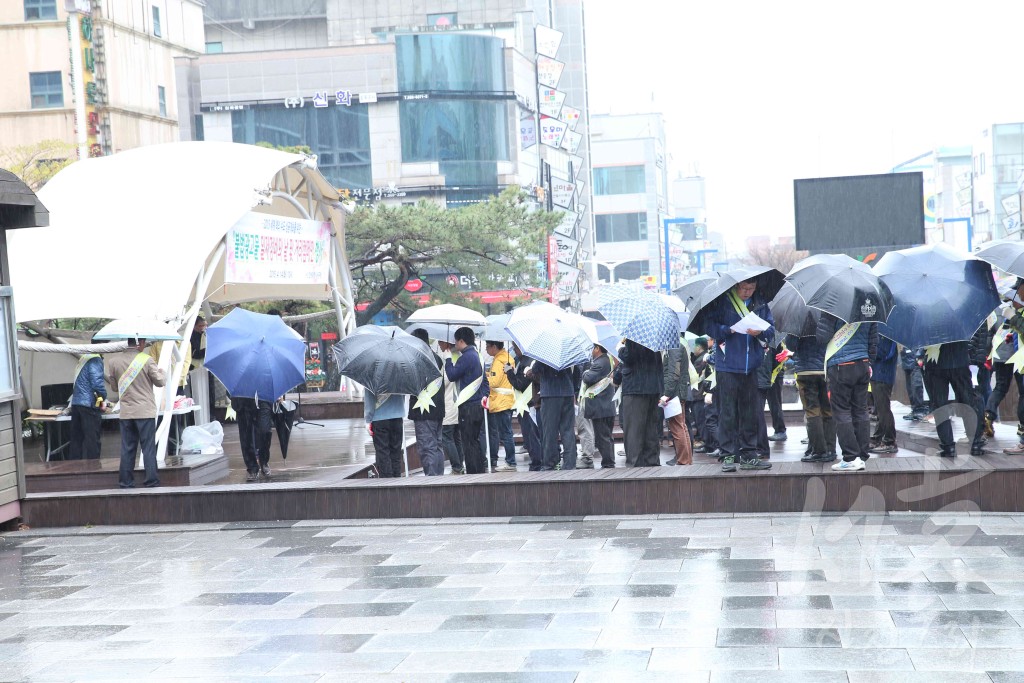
548, 40
91, 92
567, 278
552, 258
549, 71
567, 248
391, 191
568, 224
551, 102
571, 141
552, 131
562, 193
267, 249
571, 115
325, 98
527, 132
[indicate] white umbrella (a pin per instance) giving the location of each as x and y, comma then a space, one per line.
138, 328
676, 304
495, 330
447, 314
552, 335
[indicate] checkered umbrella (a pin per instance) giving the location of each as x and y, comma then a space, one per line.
639, 315
553, 336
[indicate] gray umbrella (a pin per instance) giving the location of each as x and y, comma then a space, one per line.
386, 360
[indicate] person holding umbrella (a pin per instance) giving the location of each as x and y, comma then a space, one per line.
738, 356
526, 405
598, 406
135, 375
499, 406
427, 414
383, 416
557, 414
642, 389
883, 377
948, 365
450, 437
809, 368
468, 372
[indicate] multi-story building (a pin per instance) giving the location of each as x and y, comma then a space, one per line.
121, 55
448, 100
948, 187
998, 173
630, 199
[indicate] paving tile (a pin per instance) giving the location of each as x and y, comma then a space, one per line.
840, 659
860, 637
936, 588
310, 643
221, 599
963, 618
463, 661
797, 602
369, 609
778, 677
592, 659
486, 622
917, 677
701, 658
971, 659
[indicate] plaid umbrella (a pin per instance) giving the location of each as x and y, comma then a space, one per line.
639, 315
553, 336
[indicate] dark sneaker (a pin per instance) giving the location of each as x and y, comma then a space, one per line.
252, 476
943, 453
670, 462
729, 463
978, 449
808, 457
754, 464
778, 436
885, 449
825, 457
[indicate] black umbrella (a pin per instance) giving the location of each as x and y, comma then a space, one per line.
792, 315
843, 287
941, 295
691, 289
1006, 255
386, 360
284, 420
769, 282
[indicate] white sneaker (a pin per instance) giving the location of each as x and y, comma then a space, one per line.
854, 465
505, 468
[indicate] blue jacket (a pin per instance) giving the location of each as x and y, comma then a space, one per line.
555, 383
390, 409
89, 383
862, 346
465, 371
883, 366
808, 354
908, 358
743, 353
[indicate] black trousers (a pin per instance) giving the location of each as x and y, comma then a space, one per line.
471, 420
85, 432
915, 388
136, 434
452, 446
255, 427
710, 433
939, 381
775, 405
1004, 375
885, 429
641, 427
848, 392
737, 410
763, 444
387, 445
557, 420
531, 439
821, 429
603, 440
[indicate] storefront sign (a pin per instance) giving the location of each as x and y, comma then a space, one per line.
569, 222
567, 248
548, 40
267, 249
549, 71
571, 141
527, 132
314, 366
571, 115
562, 193
552, 258
376, 193
552, 131
551, 102
1011, 204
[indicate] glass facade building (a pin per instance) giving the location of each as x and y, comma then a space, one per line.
339, 136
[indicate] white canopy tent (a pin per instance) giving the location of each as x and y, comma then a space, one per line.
142, 233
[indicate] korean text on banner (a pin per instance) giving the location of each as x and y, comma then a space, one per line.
267, 249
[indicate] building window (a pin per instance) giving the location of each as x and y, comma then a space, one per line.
445, 62
161, 96
443, 19
214, 48
632, 270
621, 227
40, 9
156, 22
620, 180
198, 128
339, 136
47, 89
454, 130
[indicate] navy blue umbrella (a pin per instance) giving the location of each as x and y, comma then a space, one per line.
941, 295
255, 355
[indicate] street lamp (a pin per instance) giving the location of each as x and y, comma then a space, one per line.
666, 283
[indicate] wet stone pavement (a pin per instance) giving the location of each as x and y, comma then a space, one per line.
900, 597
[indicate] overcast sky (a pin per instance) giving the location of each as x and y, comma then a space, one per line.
758, 93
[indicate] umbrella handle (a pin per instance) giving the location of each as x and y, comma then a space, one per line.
487, 443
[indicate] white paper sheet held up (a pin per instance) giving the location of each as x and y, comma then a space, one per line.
673, 408
750, 322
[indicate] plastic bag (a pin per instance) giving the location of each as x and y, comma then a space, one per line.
205, 439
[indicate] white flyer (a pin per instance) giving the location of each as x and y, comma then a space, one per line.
673, 408
750, 322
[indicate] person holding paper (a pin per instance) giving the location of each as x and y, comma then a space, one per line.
676, 379
849, 348
468, 373
738, 356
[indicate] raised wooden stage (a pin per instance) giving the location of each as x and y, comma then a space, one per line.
324, 478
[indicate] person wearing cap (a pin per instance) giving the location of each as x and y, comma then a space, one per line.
135, 375
499, 407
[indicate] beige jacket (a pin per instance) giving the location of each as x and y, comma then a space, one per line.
138, 401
